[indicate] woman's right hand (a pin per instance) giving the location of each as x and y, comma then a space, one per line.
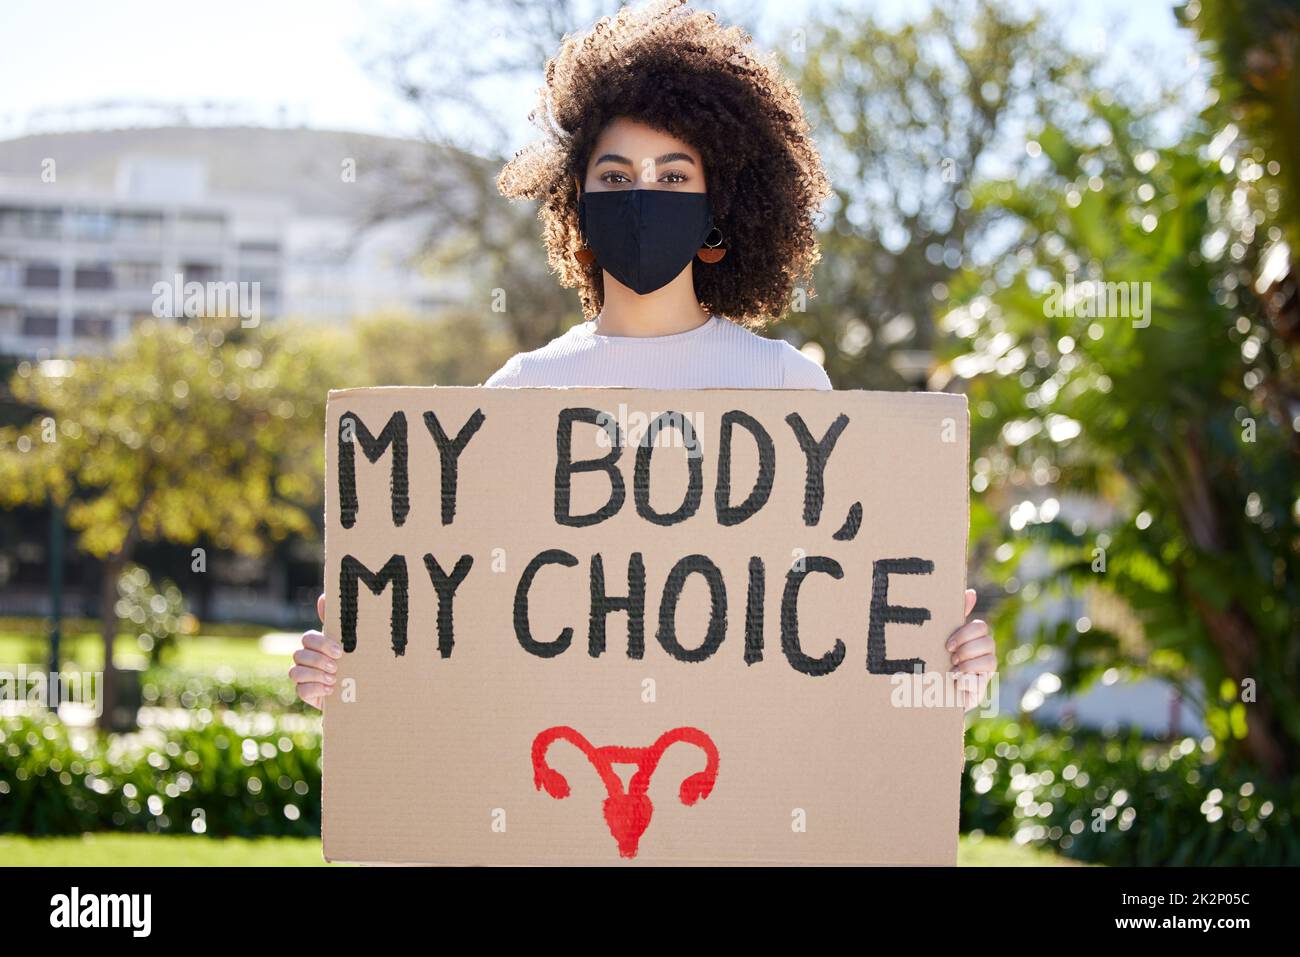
315, 667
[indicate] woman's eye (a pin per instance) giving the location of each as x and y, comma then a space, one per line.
673, 177
614, 178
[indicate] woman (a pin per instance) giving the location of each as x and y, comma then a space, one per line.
678, 183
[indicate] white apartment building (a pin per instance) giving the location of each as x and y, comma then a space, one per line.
90, 221
78, 268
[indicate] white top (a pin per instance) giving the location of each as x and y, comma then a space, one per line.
717, 355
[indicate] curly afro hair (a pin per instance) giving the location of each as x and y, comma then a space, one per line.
682, 72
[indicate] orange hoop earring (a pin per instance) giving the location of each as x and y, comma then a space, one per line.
712, 252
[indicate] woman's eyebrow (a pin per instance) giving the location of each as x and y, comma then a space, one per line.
666, 158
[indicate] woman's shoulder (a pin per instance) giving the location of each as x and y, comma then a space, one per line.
509, 374
802, 371
796, 370
525, 369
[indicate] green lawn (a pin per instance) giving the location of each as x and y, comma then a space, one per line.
135, 850
1000, 852
142, 850
84, 651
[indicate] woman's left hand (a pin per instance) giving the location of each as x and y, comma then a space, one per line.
973, 653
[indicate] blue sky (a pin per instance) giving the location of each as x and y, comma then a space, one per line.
303, 61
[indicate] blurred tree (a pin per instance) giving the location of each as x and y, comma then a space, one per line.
1138, 446
908, 118
157, 612
184, 431
450, 75
492, 246
459, 348
1253, 48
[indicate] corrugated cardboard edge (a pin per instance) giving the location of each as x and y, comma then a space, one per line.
614, 390
684, 862
649, 862
961, 764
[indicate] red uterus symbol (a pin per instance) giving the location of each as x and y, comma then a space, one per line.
626, 812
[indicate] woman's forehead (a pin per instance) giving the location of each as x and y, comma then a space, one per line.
638, 141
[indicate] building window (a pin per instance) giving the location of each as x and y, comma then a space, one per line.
92, 327
197, 228
41, 324
42, 275
93, 276
29, 222
201, 272
136, 275
140, 227
92, 225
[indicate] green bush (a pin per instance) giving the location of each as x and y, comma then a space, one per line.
235, 774
1128, 801
39, 629
244, 691
230, 775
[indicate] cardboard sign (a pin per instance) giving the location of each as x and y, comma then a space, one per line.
605, 626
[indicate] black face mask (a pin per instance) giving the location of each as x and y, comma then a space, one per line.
644, 238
